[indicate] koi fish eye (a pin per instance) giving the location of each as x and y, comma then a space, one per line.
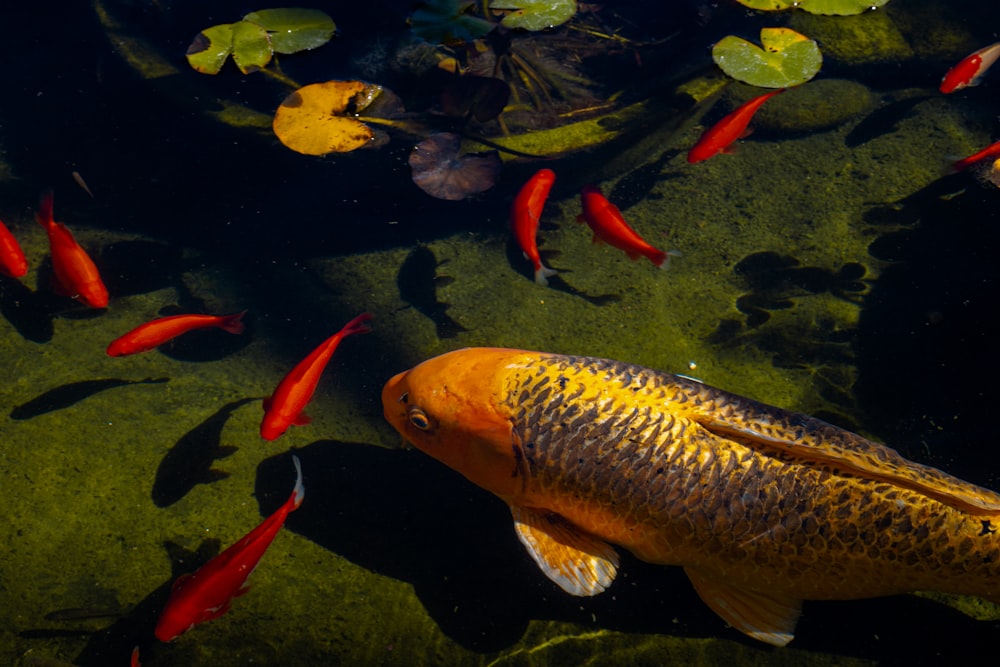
419, 419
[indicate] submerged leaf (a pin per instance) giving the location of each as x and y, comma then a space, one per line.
309, 120
448, 22
210, 48
535, 14
439, 171
294, 29
767, 5
787, 59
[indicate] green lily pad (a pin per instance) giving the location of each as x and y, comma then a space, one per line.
535, 14
448, 22
254, 40
210, 48
787, 59
294, 29
840, 7
251, 47
830, 7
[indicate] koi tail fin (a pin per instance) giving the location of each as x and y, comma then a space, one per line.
299, 492
233, 323
358, 325
46, 209
543, 273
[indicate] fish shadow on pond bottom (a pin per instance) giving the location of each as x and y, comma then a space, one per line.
403, 515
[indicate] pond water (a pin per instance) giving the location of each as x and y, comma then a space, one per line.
833, 264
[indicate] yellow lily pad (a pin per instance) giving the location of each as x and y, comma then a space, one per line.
829, 7
535, 14
788, 58
312, 120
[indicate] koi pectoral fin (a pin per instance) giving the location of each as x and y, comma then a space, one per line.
302, 419
766, 617
577, 562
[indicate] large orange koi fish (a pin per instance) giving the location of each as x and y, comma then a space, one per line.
763, 508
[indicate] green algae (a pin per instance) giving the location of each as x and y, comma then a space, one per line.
79, 526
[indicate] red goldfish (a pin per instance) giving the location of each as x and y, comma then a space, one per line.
296, 389
993, 150
524, 217
159, 331
970, 69
720, 136
208, 593
75, 271
12, 260
609, 226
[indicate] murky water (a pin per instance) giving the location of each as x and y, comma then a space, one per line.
831, 265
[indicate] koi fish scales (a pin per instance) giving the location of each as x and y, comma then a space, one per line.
763, 508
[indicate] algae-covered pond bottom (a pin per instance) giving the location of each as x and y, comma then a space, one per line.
831, 265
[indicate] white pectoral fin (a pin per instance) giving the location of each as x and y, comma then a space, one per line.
577, 562
766, 617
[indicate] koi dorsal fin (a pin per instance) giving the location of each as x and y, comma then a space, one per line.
800, 436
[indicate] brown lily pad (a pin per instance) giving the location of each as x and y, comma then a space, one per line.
440, 170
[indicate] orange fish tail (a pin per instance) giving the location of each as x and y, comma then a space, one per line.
358, 325
46, 209
233, 323
543, 273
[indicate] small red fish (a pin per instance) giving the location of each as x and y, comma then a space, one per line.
74, 270
157, 332
135, 657
609, 226
970, 69
12, 260
208, 593
719, 137
296, 389
525, 214
993, 150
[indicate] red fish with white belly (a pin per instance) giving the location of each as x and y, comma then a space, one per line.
208, 593
296, 389
609, 226
157, 332
970, 69
76, 274
525, 214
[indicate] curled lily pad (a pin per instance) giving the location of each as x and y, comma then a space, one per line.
313, 119
294, 29
787, 58
448, 22
535, 14
831, 7
440, 170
